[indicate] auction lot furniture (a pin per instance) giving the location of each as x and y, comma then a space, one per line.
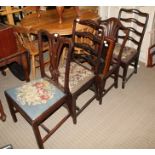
136, 21
112, 27
37, 100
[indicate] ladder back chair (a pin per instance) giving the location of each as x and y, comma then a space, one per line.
136, 21
37, 100
84, 64
112, 27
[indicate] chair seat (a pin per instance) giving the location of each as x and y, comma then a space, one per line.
128, 53
78, 76
35, 97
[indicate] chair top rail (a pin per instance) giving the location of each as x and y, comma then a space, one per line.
136, 11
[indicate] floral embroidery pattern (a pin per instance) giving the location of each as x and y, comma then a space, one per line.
77, 74
36, 92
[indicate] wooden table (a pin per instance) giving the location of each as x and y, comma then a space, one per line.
49, 20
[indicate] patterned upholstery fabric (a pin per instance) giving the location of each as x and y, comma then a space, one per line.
35, 97
128, 52
78, 76
35, 92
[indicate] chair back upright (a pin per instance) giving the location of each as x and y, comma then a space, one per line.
87, 36
30, 41
24, 38
136, 21
56, 46
114, 29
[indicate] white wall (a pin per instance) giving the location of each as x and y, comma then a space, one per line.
112, 11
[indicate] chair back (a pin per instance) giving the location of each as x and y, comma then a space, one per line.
87, 36
56, 46
27, 10
24, 39
136, 21
114, 29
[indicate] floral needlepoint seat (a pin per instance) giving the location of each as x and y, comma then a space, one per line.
36, 92
35, 97
41, 98
78, 76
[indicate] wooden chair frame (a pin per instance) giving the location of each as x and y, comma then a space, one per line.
26, 39
55, 45
93, 50
112, 28
133, 61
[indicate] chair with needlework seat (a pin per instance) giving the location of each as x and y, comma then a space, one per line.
27, 40
82, 75
87, 63
136, 21
112, 27
37, 100
87, 37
